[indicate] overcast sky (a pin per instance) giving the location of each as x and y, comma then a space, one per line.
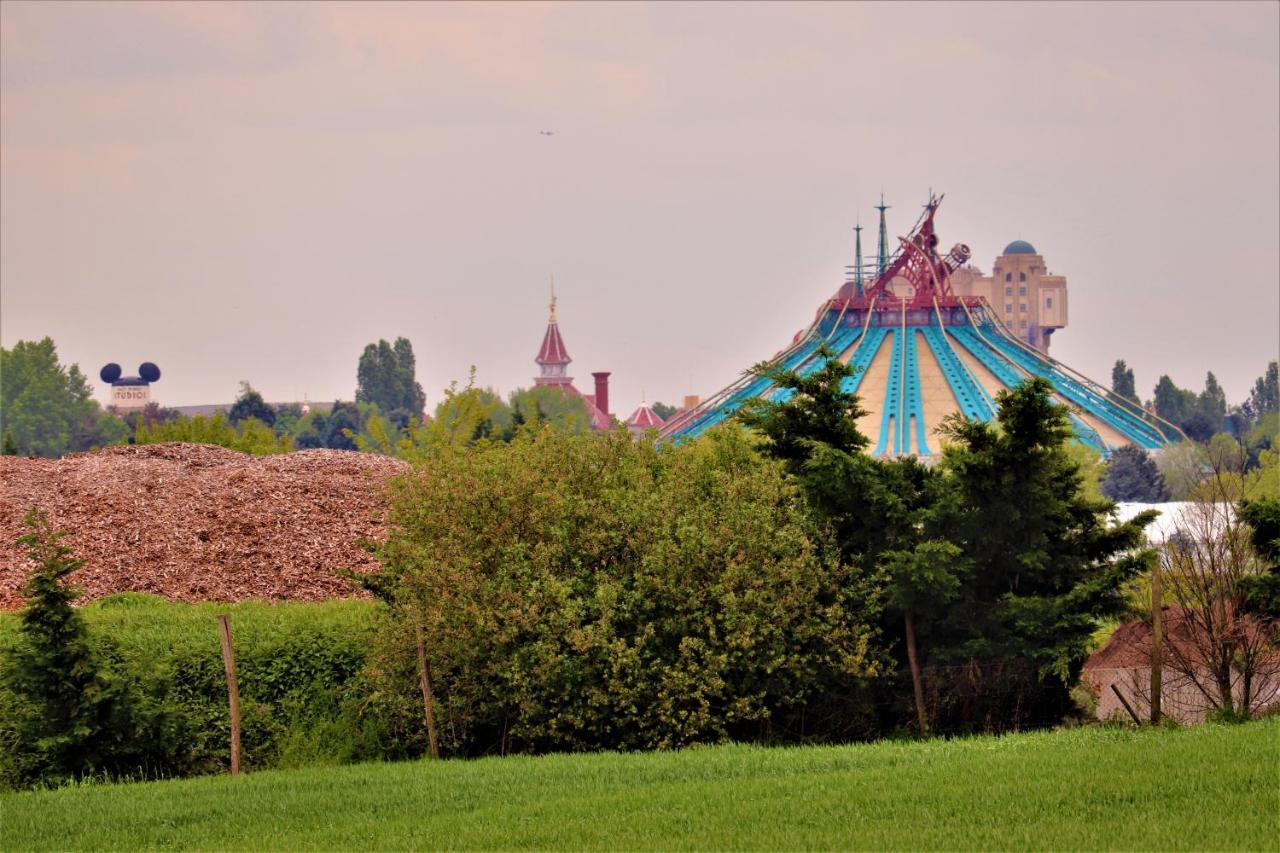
257, 191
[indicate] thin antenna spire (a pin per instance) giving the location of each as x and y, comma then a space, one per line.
857, 259
882, 252
552, 318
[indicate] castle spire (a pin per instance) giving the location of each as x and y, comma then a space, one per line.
857, 260
882, 253
552, 359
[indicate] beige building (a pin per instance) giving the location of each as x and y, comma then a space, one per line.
1021, 291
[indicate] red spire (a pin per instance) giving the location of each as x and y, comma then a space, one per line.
552, 350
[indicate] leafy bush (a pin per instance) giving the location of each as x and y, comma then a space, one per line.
251, 436
301, 667
586, 592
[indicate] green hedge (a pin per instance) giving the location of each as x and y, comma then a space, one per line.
308, 683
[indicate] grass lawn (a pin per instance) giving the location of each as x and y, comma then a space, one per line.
1206, 788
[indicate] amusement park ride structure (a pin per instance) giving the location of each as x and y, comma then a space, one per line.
920, 352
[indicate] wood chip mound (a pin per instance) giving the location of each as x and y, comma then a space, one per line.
194, 522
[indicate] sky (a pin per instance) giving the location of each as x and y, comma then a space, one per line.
256, 191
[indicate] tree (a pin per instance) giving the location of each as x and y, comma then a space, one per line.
1172, 403
1132, 475
874, 508
10, 447
1122, 381
1211, 567
1045, 564
1213, 402
74, 720
664, 410
546, 403
1261, 593
251, 405
385, 377
1264, 398
48, 408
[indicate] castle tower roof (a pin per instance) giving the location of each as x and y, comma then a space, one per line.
553, 350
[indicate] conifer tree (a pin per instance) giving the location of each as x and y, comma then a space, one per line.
1132, 475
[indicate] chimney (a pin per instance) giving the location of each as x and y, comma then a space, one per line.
691, 400
602, 391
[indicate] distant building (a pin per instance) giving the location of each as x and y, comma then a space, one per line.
1030, 301
553, 371
644, 419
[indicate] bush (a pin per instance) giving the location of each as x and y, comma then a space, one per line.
586, 592
305, 698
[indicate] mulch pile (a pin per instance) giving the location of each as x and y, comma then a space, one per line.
193, 522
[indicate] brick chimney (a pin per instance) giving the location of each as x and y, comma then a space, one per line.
602, 391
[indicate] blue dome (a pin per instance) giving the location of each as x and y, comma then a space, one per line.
1020, 247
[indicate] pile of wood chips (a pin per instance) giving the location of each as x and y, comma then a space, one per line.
193, 522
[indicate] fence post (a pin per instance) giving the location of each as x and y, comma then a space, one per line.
233, 690
1157, 651
424, 681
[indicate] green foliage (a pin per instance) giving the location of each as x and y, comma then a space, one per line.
586, 592
251, 405
1200, 416
67, 717
10, 446
546, 403
385, 378
48, 409
1046, 564
1132, 475
307, 683
251, 436
664, 410
1122, 381
1261, 593
1264, 398
1090, 788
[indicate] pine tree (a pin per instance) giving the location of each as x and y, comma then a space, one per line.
70, 726
1132, 475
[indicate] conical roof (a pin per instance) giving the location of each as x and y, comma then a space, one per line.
552, 350
920, 353
644, 418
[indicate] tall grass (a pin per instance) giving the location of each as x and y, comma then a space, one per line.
1207, 788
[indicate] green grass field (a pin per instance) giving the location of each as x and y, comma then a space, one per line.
1206, 788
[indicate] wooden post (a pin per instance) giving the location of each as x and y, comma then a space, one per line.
233, 690
916, 682
1125, 703
1157, 645
424, 681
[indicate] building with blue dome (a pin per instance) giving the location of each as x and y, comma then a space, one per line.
1025, 296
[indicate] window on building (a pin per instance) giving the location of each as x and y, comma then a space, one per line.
1008, 276
1023, 324
1008, 308
1048, 302
1022, 291
1023, 308
1008, 291
1022, 276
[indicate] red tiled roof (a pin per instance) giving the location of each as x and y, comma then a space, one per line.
552, 350
645, 418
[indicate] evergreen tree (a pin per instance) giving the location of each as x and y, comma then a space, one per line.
251, 405
1132, 475
1213, 402
73, 720
10, 447
1045, 565
1261, 593
1122, 381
